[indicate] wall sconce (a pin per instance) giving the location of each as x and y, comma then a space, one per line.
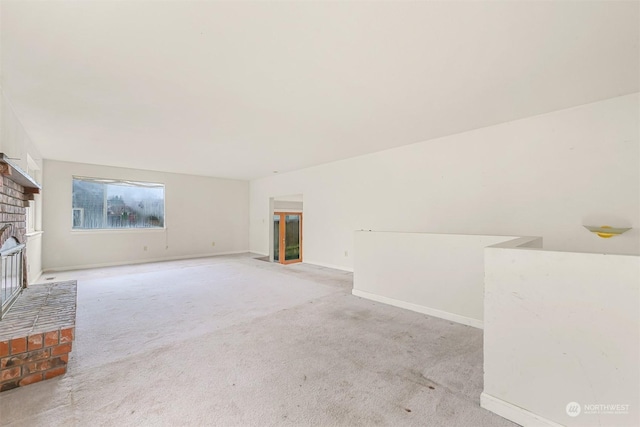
606, 231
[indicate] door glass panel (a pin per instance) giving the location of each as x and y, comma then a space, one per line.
276, 237
292, 237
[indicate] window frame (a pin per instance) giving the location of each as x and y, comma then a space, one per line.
107, 181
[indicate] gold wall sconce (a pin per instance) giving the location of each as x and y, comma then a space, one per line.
606, 231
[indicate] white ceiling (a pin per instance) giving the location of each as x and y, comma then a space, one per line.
240, 89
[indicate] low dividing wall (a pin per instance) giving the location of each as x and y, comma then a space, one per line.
437, 274
37, 334
561, 337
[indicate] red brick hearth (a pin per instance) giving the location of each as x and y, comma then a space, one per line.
36, 335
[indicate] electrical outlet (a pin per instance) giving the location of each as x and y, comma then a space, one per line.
346, 253
144, 248
213, 243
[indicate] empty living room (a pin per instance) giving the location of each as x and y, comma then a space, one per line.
320, 213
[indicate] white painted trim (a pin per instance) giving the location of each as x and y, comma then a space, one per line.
420, 309
335, 267
118, 230
34, 234
142, 261
514, 413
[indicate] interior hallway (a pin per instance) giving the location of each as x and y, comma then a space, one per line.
235, 341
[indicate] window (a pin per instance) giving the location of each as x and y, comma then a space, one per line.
78, 217
115, 204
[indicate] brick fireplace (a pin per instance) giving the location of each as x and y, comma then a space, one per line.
37, 324
16, 189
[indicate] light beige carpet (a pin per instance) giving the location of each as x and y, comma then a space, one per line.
234, 341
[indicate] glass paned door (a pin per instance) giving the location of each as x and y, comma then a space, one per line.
287, 242
292, 237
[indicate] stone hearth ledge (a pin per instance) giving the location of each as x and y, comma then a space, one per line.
36, 335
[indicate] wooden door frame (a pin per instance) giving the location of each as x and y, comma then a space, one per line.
282, 232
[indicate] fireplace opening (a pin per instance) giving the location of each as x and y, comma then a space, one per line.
11, 274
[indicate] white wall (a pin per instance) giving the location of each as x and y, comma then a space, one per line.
545, 176
286, 206
199, 211
34, 257
561, 327
14, 140
440, 275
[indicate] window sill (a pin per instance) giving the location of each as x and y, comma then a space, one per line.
117, 230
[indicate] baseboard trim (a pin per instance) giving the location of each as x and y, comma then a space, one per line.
322, 264
141, 261
514, 413
37, 277
420, 309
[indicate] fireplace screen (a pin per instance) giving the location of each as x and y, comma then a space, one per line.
10, 273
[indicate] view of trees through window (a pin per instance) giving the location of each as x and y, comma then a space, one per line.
114, 204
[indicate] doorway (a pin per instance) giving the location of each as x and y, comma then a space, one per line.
287, 242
